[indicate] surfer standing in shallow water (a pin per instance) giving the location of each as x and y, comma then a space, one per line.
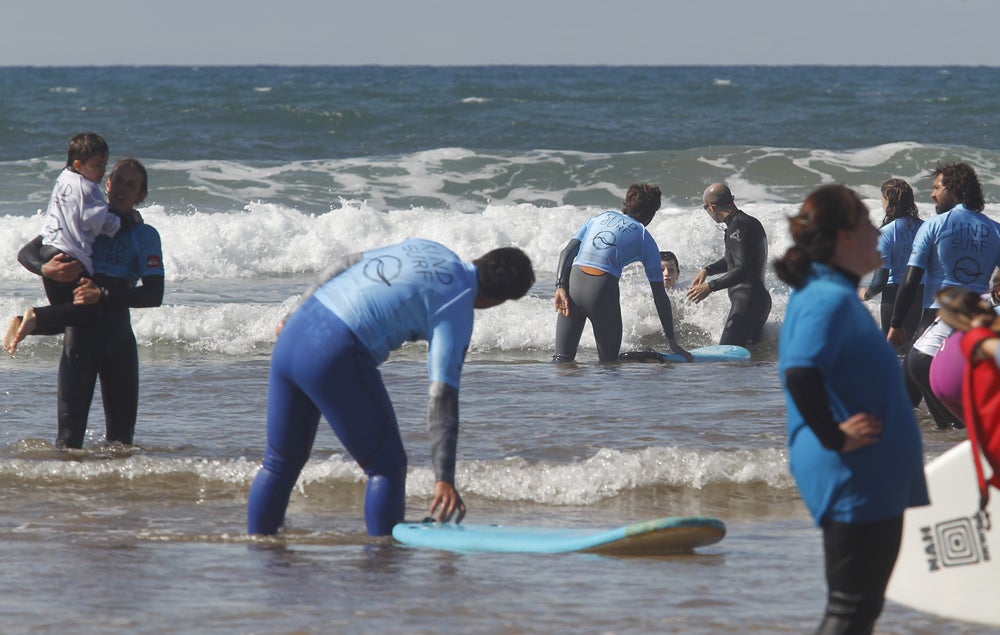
742, 268
588, 273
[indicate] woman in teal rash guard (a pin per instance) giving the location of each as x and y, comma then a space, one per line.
326, 362
854, 446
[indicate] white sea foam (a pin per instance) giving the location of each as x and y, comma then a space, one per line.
605, 474
242, 241
231, 276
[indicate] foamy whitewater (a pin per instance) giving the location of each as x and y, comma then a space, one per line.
260, 176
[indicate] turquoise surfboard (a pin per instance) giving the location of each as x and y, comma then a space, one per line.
715, 353
663, 536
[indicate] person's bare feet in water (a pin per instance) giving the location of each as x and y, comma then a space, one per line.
18, 329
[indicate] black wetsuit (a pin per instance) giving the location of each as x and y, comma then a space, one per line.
107, 348
743, 266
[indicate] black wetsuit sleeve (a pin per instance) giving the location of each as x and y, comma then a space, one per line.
442, 424
30, 256
877, 285
746, 255
905, 296
805, 386
566, 258
717, 267
148, 294
663, 309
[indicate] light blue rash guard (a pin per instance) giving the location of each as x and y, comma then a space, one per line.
130, 254
827, 327
612, 240
895, 243
958, 248
415, 290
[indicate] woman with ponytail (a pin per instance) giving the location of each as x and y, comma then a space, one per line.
854, 446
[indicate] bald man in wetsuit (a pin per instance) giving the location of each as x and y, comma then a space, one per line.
742, 268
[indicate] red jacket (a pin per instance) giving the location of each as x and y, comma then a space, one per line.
981, 405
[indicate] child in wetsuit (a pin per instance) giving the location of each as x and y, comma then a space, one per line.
77, 214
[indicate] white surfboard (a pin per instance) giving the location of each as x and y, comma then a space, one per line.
949, 561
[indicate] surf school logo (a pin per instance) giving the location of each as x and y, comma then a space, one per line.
383, 269
967, 271
955, 543
604, 240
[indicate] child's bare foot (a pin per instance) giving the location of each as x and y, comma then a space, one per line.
10, 336
18, 329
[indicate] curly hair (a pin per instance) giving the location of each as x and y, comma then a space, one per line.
961, 180
825, 212
641, 202
899, 196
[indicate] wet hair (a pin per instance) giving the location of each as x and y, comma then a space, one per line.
504, 273
814, 229
961, 180
85, 146
900, 204
131, 162
668, 256
641, 202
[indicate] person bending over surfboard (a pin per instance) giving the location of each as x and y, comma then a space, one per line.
854, 447
588, 272
326, 359
742, 267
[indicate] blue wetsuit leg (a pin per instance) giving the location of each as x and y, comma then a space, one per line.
318, 366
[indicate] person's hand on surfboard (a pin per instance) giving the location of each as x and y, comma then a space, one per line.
447, 503
860, 431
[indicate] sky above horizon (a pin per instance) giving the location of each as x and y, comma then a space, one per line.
471, 32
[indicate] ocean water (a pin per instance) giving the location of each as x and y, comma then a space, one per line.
260, 175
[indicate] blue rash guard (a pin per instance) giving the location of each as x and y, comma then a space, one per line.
608, 243
895, 243
326, 362
959, 248
130, 255
611, 241
416, 290
827, 328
